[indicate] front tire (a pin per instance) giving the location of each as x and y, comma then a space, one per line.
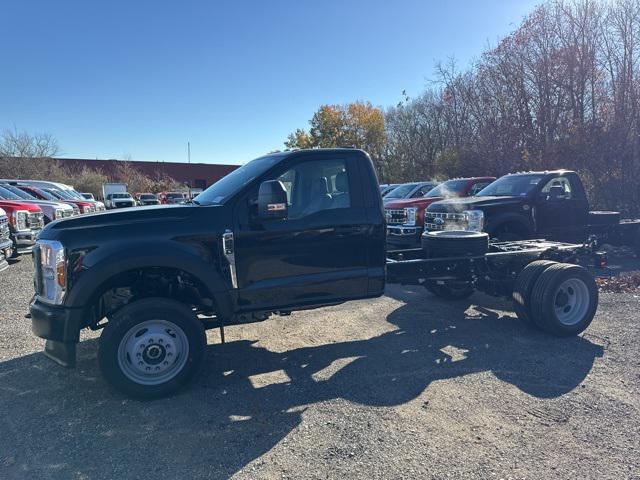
151, 348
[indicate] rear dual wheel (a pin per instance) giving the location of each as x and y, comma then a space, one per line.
562, 300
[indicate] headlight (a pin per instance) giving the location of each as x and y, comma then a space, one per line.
410, 215
475, 220
52, 283
59, 213
87, 209
20, 220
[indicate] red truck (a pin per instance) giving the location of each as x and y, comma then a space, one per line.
405, 218
25, 222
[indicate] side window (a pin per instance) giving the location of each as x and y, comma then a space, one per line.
476, 188
288, 179
422, 191
316, 185
562, 182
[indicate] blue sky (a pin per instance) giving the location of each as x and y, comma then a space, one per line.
234, 78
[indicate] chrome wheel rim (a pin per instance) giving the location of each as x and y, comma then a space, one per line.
571, 301
153, 352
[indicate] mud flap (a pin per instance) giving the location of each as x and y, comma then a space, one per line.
61, 353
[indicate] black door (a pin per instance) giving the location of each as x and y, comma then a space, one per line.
561, 210
318, 253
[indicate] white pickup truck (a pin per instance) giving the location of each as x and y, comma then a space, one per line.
116, 196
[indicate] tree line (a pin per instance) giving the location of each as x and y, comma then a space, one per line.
561, 91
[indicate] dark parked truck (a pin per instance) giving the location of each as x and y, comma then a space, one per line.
288, 231
405, 217
550, 205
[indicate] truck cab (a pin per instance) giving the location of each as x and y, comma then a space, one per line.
288, 231
550, 204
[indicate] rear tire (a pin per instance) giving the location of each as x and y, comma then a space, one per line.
564, 299
151, 348
523, 288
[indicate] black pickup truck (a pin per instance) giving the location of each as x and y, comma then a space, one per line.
551, 205
288, 231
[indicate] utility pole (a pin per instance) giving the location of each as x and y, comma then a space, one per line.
188, 152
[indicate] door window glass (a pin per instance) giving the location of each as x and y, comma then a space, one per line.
558, 182
315, 186
477, 187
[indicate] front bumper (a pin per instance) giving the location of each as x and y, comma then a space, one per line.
60, 326
400, 236
6, 250
23, 242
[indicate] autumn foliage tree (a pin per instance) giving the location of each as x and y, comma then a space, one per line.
359, 125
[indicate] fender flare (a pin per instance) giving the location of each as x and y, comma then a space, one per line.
494, 223
191, 258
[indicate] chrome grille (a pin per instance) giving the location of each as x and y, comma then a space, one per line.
444, 221
4, 228
67, 213
35, 220
395, 216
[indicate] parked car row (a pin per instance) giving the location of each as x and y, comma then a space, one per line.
26, 206
552, 205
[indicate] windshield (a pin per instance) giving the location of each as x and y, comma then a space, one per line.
120, 195
18, 192
402, 191
8, 195
450, 188
75, 195
59, 194
511, 185
147, 197
230, 184
43, 194
175, 195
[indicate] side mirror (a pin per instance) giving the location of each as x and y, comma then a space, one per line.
272, 200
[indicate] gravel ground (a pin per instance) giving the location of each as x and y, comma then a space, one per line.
405, 386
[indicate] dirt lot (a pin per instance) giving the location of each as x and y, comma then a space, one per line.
405, 386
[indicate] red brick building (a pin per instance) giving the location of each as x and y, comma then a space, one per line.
197, 175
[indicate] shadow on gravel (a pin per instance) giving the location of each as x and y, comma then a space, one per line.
57, 423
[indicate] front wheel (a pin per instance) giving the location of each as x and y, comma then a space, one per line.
151, 348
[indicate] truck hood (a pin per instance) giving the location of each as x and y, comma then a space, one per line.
11, 205
412, 202
120, 218
453, 205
